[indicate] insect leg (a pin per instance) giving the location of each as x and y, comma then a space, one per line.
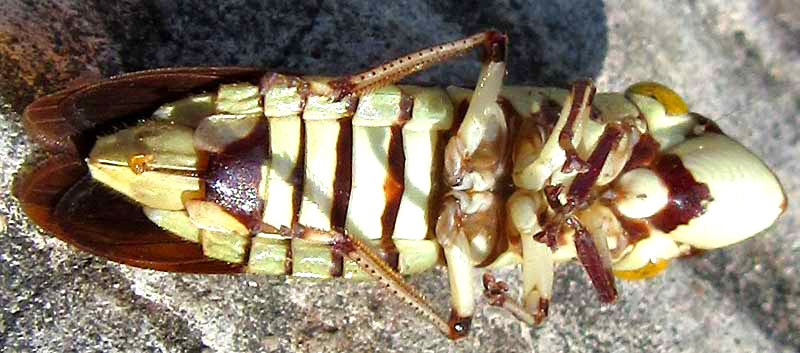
540, 215
467, 231
474, 159
592, 247
484, 126
397, 69
495, 292
374, 265
538, 263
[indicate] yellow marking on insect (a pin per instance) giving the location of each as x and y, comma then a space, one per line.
139, 163
673, 103
650, 270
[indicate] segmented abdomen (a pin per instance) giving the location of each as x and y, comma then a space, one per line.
321, 166
370, 167
285, 166
341, 166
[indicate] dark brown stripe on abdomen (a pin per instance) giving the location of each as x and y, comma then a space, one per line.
393, 188
298, 175
298, 182
233, 176
341, 187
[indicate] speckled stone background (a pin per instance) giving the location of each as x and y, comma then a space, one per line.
738, 62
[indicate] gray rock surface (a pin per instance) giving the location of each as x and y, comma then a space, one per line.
736, 62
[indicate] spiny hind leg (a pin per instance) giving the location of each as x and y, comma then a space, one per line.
493, 42
372, 263
491, 77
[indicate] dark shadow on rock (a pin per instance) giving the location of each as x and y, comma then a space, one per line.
150, 34
551, 43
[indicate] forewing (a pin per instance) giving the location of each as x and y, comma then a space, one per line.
60, 196
56, 120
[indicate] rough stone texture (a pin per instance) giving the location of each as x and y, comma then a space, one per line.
736, 62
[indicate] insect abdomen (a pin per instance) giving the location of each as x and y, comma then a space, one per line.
329, 166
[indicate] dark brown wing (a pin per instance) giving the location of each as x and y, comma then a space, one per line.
59, 195
54, 121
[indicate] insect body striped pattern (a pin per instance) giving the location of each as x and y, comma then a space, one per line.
357, 177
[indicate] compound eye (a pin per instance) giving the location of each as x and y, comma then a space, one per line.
673, 103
